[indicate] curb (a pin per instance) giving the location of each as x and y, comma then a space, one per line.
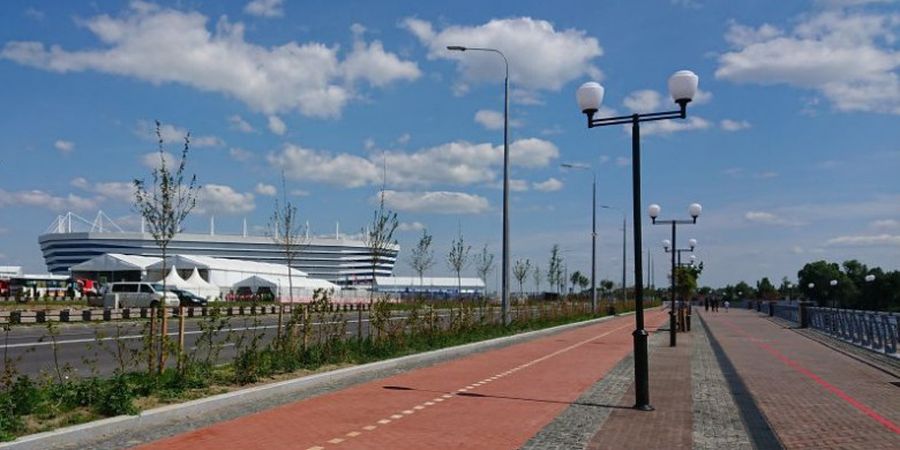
82, 435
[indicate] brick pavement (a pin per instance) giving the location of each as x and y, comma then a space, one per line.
811, 396
670, 424
493, 400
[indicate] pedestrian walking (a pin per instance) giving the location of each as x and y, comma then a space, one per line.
715, 305
727, 305
706, 304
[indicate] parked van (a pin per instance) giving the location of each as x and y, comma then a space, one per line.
138, 295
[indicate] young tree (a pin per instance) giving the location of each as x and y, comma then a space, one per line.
288, 234
536, 276
766, 289
554, 268
379, 238
421, 258
164, 205
578, 279
520, 271
607, 286
458, 258
484, 263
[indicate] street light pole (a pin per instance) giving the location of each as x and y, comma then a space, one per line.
504, 277
682, 87
593, 231
694, 210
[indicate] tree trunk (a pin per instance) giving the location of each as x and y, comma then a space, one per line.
163, 328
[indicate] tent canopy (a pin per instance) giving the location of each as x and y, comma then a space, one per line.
115, 262
226, 265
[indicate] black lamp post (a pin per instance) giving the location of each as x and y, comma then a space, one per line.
504, 277
694, 211
682, 87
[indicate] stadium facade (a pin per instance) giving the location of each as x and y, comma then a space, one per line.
339, 260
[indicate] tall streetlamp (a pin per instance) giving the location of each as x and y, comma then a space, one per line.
867, 289
694, 210
682, 87
624, 257
593, 230
504, 277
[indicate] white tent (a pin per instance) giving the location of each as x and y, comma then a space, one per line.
173, 280
114, 262
201, 287
227, 273
304, 288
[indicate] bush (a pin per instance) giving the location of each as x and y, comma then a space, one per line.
116, 398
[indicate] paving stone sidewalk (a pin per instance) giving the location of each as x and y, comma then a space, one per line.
693, 398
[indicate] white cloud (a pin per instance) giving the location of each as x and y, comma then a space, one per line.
414, 226
692, 123
64, 147
239, 154
623, 161
734, 125
848, 58
276, 125
766, 174
453, 163
172, 134
880, 240
540, 57
300, 193
221, 199
438, 202
493, 120
162, 45
310, 165
238, 123
265, 8
34, 14
153, 160
116, 190
266, 189
643, 101
371, 63
41, 199
767, 218
516, 185
885, 224
549, 185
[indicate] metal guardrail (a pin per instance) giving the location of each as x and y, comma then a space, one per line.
873, 330
790, 312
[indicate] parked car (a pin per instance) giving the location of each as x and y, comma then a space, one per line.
139, 295
188, 298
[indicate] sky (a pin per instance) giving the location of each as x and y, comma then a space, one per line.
792, 144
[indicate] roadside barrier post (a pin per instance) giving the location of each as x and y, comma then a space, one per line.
803, 308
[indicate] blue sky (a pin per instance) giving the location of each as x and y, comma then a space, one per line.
791, 146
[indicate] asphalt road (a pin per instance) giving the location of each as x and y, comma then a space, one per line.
101, 347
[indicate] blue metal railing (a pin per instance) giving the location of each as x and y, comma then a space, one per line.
788, 311
873, 330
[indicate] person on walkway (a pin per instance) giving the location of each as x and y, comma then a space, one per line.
727, 304
706, 303
715, 304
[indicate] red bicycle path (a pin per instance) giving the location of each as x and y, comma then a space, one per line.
492, 400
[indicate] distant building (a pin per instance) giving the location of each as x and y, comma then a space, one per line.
430, 285
72, 240
7, 272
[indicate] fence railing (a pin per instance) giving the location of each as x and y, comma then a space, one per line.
789, 312
873, 330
